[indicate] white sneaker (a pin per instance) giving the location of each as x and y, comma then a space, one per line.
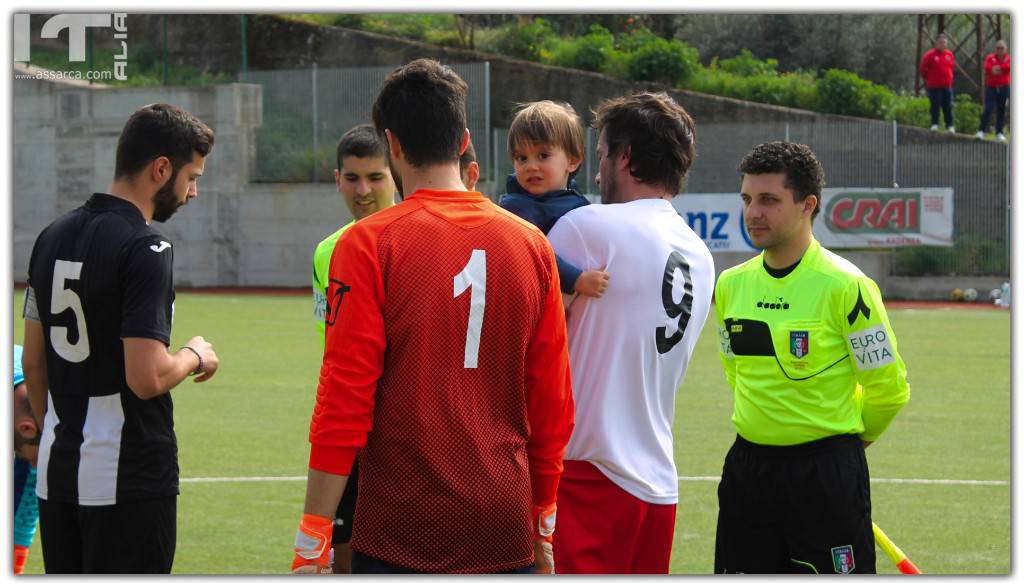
935, 127
980, 134
951, 129
1001, 137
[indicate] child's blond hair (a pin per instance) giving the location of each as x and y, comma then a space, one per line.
548, 123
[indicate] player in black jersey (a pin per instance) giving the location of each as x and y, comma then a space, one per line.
98, 316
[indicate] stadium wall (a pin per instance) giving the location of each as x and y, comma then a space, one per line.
235, 234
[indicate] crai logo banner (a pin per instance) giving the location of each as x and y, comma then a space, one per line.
874, 212
76, 24
886, 218
850, 217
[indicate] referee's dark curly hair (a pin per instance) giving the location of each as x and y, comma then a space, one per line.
804, 174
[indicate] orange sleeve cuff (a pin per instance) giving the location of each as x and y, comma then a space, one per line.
545, 488
333, 459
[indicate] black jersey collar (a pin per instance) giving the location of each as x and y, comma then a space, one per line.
783, 272
100, 201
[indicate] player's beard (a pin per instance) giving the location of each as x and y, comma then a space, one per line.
165, 201
609, 192
394, 176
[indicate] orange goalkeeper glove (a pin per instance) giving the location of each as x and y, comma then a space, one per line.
313, 545
20, 556
544, 519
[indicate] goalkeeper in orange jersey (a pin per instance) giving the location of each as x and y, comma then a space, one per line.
445, 368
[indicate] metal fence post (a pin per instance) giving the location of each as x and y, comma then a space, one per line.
487, 107
1009, 209
316, 123
494, 157
245, 46
895, 146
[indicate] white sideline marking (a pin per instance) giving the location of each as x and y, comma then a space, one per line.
681, 479
249, 479
883, 481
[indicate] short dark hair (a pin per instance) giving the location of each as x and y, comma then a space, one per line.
804, 174
361, 141
468, 156
160, 130
659, 133
423, 104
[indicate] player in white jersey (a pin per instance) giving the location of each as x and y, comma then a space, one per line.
629, 349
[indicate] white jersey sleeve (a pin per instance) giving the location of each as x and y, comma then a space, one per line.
630, 348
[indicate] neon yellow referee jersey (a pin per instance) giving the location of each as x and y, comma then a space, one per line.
808, 355
321, 265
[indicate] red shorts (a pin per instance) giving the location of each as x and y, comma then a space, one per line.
602, 529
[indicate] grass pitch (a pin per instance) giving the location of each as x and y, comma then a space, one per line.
940, 474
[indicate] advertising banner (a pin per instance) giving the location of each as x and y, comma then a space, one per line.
850, 218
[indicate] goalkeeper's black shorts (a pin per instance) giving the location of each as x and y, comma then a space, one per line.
346, 508
797, 509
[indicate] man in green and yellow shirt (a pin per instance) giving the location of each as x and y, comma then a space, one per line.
364, 179
813, 363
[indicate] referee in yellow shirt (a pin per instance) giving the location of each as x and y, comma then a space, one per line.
813, 364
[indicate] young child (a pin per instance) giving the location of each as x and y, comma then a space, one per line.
545, 141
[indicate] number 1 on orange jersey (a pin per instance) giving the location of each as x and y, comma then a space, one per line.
474, 278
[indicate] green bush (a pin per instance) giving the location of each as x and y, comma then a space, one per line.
589, 52
875, 101
745, 64
444, 38
525, 41
659, 60
838, 92
966, 114
349, 21
408, 25
801, 90
969, 255
617, 64
796, 90
910, 110
635, 38
487, 40
844, 92
922, 261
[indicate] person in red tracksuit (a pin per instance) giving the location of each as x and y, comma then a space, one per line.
937, 70
446, 365
997, 89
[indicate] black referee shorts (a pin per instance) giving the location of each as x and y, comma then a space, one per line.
346, 508
129, 538
797, 509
